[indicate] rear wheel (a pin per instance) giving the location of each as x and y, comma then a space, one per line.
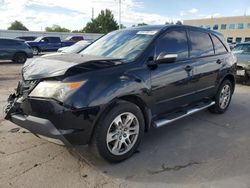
35, 50
20, 58
119, 132
223, 98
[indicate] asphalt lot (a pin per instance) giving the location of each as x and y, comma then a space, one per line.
203, 150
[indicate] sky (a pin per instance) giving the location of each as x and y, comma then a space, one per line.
74, 14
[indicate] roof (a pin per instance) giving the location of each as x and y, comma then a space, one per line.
7, 38
164, 27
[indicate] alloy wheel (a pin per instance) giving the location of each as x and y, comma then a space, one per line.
122, 133
225, 96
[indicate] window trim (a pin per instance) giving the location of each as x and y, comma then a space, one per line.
220, 42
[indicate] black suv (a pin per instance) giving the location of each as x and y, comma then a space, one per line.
122, 85
16, 50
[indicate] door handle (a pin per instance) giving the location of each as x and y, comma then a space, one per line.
218, 61
188, 68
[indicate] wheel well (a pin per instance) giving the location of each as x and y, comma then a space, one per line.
132, 99
19, 52
231, 79
36, 48
144, 108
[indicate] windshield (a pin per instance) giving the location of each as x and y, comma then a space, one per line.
242, 49
122, 44
77, 47
38, 39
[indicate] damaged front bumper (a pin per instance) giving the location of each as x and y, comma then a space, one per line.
48, 119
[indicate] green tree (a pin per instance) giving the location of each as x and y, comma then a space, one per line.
123, 26
139, 24
178, 22
17, 25
104, 23
77, 31
56, 28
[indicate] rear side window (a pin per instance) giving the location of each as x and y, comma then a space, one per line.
54, 39
174, 42
201, 44
77, 38
6, 42
218, 46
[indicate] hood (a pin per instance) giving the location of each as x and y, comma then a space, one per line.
243, 59
31, 42
58, 64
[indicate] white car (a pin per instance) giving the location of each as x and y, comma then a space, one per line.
75, 48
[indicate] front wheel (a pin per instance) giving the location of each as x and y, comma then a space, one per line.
222, 98
119, 132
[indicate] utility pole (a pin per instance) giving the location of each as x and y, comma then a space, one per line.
120, 16
93, 13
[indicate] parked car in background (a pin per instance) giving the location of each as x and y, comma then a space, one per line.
122, 85
75, 48
242, 52
48, 44
14, 49
74, 38
27, 38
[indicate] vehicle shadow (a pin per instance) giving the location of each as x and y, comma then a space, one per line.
200, 147
8, 62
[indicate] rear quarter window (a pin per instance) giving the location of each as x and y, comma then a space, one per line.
6, 42
54, 39
219, 48
200, 44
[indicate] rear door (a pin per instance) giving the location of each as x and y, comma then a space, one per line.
7, 48
170, 82
207, 64
54, 43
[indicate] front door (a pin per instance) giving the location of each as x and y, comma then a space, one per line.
171, 86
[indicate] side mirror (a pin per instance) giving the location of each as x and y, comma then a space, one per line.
166, 58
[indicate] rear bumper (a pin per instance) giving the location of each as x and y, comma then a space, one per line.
48, 118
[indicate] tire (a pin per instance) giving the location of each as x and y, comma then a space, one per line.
246, 80
126, 138
222, 98
35, 50
20, 58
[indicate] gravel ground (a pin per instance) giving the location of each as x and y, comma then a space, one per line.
203, 150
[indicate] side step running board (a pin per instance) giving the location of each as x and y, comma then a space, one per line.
164, 120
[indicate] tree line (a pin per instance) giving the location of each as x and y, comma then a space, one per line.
103, 23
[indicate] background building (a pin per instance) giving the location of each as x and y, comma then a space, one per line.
235, 29
62, 35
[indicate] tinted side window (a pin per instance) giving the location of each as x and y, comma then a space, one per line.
77, 38
45, 39
54, 39
201, 44
7, 42
174, 42
218, 46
